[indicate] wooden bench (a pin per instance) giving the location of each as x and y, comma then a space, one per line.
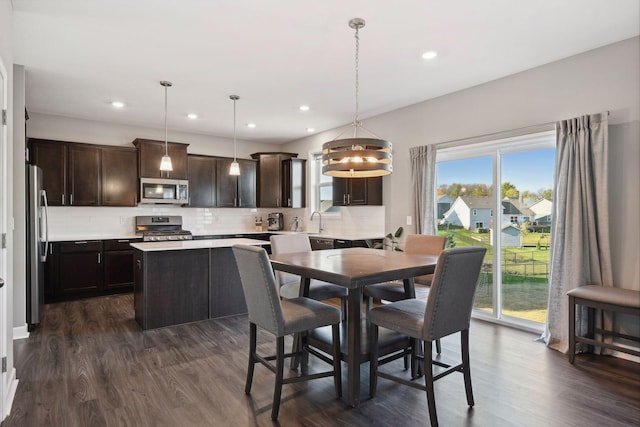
597, 297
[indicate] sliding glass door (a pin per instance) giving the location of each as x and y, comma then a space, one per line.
497, 194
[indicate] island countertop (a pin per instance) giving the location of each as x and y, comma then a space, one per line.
195, 244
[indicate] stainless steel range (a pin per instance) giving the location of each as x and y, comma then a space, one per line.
161, 228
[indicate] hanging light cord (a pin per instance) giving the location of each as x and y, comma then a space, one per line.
234, 130
356, 122
165, 121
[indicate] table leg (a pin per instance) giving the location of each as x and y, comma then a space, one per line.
354, 334
409, 287
296, 347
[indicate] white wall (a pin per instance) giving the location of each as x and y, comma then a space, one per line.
603, 79
6, 204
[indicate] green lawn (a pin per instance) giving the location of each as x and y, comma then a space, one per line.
525, 275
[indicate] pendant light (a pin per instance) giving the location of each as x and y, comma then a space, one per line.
357, 157
234, 169
165, 163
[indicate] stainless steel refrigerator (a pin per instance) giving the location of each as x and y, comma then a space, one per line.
37, 244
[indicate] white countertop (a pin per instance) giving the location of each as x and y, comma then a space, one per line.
66, 237
195, 244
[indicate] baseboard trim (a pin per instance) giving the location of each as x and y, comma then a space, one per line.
11, 393
20, 332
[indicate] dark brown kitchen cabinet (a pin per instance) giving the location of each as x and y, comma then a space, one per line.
76, 174
84, 175
51, 157
79, 268
150, 153
88, 268
119, 168
271, 181
294, 183
357, 191
202, 181
118, 265
236, 191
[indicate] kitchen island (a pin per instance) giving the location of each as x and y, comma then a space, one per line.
186, 281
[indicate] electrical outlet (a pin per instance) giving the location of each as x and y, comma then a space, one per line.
409, 219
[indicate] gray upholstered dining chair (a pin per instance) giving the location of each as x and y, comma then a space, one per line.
290, 283
394, 291
282, 317
423, 244
446, 311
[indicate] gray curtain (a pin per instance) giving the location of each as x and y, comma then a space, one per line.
580, 234
423, 180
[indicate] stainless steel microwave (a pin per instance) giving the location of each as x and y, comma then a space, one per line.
164, 190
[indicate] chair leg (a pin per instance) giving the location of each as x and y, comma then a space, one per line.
438, 346
303, 354
295, 348
466, 370
277, 392
337, 372
572, 330
373, 363
414, 343
428, 382
252, 359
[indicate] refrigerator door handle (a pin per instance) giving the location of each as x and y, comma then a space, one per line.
46, 225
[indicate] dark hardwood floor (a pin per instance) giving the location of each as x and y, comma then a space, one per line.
88, 364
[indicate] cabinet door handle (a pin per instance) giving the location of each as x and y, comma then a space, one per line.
344, 199
348, 199
82, 242
99, 256
62, 199
139, 264
289, 202
123, 240
71, 199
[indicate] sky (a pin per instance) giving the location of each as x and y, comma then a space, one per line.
528, 170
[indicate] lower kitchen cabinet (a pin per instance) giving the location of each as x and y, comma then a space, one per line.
80, 268
88, 268
118, 265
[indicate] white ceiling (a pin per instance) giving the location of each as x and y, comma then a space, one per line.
80, 55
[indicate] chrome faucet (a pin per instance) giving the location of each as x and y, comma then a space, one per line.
320, 224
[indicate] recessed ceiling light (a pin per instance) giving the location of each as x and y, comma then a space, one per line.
251, 125
117, 104
304, 108
192, 116
311, 129
429, 54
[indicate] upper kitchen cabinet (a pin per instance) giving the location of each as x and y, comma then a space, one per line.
119, 176
202, 181
357, 191
51, 157
77, 174
84, 175
150, 153
236, 191
271, 181
294, 183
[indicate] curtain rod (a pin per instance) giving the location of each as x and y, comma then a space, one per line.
500, 135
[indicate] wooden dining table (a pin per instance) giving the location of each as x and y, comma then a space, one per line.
355, 268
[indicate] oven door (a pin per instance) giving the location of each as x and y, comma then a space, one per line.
166, 191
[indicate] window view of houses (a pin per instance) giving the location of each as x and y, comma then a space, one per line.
516, 219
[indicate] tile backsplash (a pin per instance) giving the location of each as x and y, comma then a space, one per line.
103, 222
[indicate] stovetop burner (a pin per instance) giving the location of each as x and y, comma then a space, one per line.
161, 228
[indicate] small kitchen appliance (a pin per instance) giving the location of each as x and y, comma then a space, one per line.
275, 221
161, 228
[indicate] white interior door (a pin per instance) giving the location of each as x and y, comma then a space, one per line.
4, 321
